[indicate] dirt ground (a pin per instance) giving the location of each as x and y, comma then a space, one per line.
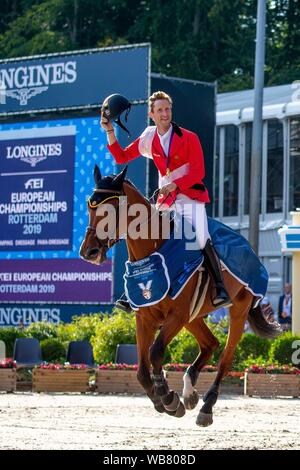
45, 421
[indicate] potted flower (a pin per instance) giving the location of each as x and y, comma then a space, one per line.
8, 375
272, 380
61, 378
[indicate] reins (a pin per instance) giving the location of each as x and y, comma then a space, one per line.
118, 194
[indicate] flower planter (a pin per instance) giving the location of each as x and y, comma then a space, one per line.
272, 385
8, 380
125, 381
205, 380
61, 380
117, 381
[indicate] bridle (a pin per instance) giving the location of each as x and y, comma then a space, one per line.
110, 242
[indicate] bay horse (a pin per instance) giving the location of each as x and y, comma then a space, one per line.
168, 317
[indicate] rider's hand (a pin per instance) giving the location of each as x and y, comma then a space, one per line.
105, 123
168, 188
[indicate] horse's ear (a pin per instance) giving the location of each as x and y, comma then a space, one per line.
97, 175
119, 179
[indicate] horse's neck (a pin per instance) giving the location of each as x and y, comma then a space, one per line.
141, 247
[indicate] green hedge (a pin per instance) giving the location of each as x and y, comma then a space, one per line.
111, 331
281, 350
41, 330
53, 350
183, 349
106, 331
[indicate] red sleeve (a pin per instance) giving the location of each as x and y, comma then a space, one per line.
196, 161
124, 155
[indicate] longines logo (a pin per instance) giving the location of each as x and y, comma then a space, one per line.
22, 83
33, 154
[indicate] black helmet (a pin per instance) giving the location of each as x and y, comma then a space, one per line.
113, 106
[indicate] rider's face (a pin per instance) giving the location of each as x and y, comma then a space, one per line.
162, 113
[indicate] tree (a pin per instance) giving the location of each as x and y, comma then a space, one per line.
199, 39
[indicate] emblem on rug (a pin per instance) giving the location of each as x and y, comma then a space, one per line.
146, 291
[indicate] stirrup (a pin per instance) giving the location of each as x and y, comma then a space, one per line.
223, 303
222, 298
123, 305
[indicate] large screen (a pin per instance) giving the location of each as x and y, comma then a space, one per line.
46, 175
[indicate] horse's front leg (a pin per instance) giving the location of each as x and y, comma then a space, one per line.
170, 399
145, 333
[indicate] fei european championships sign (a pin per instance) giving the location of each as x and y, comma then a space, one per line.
73, 80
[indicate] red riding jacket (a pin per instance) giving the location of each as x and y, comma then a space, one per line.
185, 156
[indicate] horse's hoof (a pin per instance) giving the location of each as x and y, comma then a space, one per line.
171, 402
191, 401
204, 419
159, 408
177, 413
180, 410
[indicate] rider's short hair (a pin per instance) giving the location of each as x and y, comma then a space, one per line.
158, 95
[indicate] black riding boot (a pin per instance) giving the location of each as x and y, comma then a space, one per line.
213, 265
123, 304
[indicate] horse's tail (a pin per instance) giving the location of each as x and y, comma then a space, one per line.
261, 326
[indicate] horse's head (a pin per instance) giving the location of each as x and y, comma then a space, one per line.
102, 204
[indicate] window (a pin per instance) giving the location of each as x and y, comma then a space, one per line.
231, 170
275, 166
248, 149
294, 185
217, 174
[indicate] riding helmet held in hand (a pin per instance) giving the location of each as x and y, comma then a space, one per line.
113, 106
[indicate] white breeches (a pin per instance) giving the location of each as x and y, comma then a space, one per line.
194, 211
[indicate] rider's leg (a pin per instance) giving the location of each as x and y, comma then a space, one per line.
213, 265
194, 211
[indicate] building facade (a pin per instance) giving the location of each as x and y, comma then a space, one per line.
280, 172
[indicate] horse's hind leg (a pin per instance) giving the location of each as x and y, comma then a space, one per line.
170, 399
208, 343
238, 315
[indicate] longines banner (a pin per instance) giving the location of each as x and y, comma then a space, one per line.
24, 314
73, 80
36, 190
46, 175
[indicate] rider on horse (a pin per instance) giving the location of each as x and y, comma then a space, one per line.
178, 156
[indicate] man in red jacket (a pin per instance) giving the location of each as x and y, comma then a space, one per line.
178, 156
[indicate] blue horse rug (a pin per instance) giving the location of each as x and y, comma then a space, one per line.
167, 271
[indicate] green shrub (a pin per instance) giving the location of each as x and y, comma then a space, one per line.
85, 326
281, 350
41, 330
66, 332
111, 331
251, 345
53, 350
8, 335
182, 349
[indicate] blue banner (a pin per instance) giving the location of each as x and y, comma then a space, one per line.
74, 80
24, 314
46, 176
36, 191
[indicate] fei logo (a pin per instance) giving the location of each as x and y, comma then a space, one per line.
23, 83
34, 183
